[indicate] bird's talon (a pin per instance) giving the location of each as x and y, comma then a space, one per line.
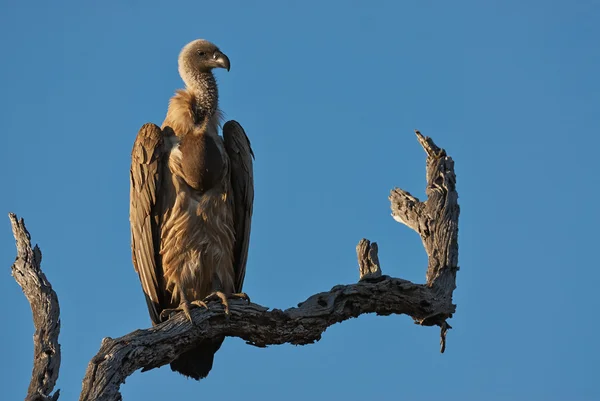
200, 304
240, 295
165, 314
218, 295
183, 307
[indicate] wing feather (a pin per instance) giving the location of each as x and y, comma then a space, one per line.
144, 216
240, 154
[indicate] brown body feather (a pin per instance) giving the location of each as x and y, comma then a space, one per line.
197, 231
191, 207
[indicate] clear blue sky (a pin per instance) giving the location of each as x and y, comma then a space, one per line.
329, 93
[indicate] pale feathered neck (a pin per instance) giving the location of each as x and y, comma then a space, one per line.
204, 88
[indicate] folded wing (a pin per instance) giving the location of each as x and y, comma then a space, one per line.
240, 154
147, 157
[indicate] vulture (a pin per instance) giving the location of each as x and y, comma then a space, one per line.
191, 196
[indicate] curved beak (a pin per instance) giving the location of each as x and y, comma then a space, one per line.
221, 60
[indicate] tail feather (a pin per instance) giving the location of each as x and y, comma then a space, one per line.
197, 362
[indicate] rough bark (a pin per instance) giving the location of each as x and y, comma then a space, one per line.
368, 260
44, 306
147, 349
436, 221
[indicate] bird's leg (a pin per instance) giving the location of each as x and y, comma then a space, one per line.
184, 306
221, 296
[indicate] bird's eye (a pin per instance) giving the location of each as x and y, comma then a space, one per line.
201, 53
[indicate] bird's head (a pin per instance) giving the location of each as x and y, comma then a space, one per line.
202, 56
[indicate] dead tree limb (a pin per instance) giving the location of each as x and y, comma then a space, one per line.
44, 306
368, 260
158, 346
436, 221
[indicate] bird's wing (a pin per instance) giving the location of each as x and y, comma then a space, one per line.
144, 216
240, 154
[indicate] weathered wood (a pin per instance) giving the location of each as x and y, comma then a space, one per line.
368, 260
436, 221
158, 346
44, 306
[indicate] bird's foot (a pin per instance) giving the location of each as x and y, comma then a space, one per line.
240, 295
184, 307
220, 296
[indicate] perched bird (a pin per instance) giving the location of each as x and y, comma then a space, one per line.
191, 202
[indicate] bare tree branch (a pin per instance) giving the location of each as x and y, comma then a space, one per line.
44, 306
147, 349
436, 221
